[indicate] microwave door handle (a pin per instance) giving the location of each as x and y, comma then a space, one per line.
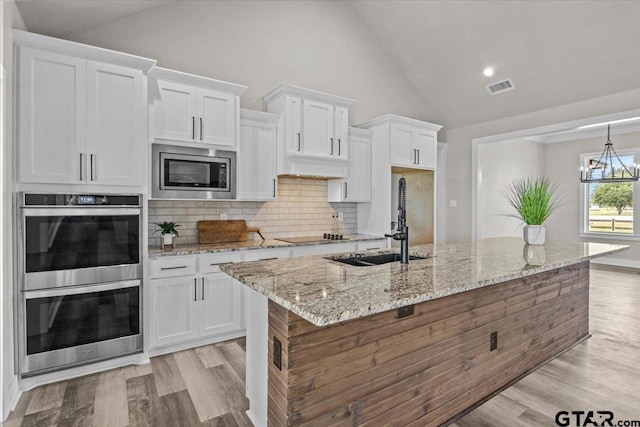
80, 211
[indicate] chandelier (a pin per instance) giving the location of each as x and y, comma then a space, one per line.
604, 163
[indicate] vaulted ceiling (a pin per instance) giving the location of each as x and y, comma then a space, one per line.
555, 52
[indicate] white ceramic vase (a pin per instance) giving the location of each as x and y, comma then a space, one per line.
167, 239
534, 234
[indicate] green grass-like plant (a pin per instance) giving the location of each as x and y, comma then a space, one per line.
168, 227
532, 199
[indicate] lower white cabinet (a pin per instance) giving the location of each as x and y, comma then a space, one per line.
220, 302
173, 310
194, 307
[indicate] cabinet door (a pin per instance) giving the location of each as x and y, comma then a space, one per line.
116, 142
220, 308
51, 117
401, 146
293, 123
173, 310
427, 148
216, 118
317, 128
358, 186
341, 132
257, 170
175, 112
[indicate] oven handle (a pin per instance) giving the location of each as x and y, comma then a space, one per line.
74, 290
76, 211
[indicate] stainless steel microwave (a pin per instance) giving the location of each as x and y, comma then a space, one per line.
193, 173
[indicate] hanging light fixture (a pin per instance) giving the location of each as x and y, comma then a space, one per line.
606, 161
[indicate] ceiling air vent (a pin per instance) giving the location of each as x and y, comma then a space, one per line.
499, 87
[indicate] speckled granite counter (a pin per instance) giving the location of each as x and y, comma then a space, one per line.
324, 291
196, 249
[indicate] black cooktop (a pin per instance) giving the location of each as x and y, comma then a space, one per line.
313, 239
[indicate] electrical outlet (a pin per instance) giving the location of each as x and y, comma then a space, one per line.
340, 216
223, 216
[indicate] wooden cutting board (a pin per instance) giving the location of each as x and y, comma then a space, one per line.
233, 230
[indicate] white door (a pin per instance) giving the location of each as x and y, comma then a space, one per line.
173, 310
425, 144
257, 165
293, 132
317, 128
401, 147
358, 187
116, 143
216, 118
220, 309
341, 132
51, 117
175, 112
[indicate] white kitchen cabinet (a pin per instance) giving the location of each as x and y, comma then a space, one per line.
81, 113
357, 187
174, 316
403, 144
51, 117
315, 131
257, 169
220, 305
116, 135
413, 146
194, 109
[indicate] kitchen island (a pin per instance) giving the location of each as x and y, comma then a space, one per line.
417, 344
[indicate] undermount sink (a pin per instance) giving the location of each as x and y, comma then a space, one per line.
369, 261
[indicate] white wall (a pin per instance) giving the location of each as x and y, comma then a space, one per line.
11, 19
499, 163
321, 45
562, 161
459, 179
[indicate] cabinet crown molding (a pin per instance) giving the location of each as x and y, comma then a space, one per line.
396, 119
307, 94
79, 50
360, 132
200, 81
258, 116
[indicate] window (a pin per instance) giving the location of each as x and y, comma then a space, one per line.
608, 208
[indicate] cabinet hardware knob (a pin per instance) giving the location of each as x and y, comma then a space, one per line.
331, 140
203, 289
298, 141
172, 268
81, 166
193, 127
339, 148
94, 166
274, 187
195, 289
345, 190
201, 130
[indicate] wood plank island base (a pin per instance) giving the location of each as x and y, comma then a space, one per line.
424, 362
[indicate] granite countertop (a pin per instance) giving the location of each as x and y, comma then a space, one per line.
324, 291
195, 249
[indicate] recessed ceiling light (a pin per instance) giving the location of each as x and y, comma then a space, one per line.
488, 72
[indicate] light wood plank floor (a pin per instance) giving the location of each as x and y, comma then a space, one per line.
205, 386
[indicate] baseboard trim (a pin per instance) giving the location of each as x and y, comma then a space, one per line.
253, 418
11, 396
172, 348
616, 262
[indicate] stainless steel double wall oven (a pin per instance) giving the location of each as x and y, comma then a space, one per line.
80, 271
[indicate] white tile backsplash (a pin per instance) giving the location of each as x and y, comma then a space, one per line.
301, 210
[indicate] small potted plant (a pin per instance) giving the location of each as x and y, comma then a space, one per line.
533, 200
168, 232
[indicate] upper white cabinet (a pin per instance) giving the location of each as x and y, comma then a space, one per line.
414, 145
194, 109
81, 113
315, 131
257, 172
357, 187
